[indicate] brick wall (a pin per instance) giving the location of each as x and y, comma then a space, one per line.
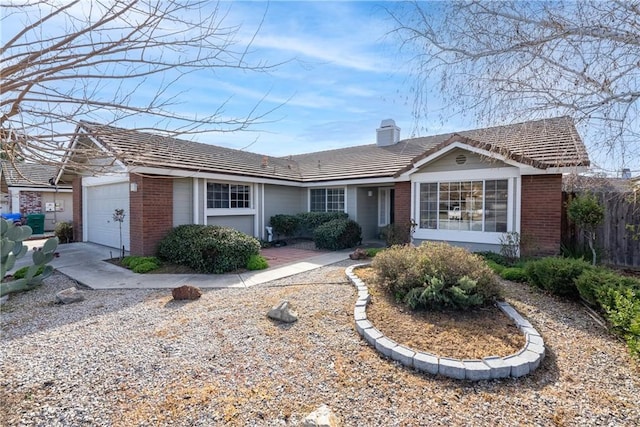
30, 202
402, 203
151, 213
76, 184
540, 225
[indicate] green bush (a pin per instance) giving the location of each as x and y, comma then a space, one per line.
22, 272
257, 262
310, 221
593, 281
337, 234
435, 275
493, 256
64, 232
497, 268
285, 225
515, 274
208, 248
622, 307
371, 252
141, 264
556, 275
145, 267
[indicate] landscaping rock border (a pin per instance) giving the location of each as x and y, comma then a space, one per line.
516, 365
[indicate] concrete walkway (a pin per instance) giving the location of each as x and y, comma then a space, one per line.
84, 262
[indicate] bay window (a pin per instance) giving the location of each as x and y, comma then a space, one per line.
478, 205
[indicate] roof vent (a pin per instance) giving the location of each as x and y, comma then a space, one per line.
388, 133
461, 159
626, 173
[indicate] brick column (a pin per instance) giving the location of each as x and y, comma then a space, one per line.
76, 185
540, 221
151, 213
402, 202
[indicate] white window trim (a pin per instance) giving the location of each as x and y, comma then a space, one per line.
344, 189
512, 175
251, 210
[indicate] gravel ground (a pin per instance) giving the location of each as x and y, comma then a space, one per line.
135, 357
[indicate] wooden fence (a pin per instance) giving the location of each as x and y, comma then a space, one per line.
615, 242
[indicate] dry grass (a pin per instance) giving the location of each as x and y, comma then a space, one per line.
470, 334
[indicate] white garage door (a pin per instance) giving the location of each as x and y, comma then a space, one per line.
102, 201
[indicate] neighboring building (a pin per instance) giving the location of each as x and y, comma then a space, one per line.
26, 189
467, 188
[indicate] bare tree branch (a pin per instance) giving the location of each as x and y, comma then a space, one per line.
510, 61
73, 61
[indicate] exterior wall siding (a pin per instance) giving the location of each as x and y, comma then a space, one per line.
449, 162
242, 223
151, 213
65, 215
540, 224
182, 201
283, 200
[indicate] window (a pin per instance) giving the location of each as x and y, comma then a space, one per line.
326, 200
225, 196
464, 205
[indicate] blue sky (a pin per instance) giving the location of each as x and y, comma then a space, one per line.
343, 78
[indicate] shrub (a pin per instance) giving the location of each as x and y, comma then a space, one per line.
493, 256
593, 281
310, 221
371, 252
515, 274
257, 262
622, 307
285, 225
497, 268
145, 267
435, 275
21, 273
556, 275
208, 248
338, 234
397, 233
64, 232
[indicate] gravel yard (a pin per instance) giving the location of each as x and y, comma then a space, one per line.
135, 357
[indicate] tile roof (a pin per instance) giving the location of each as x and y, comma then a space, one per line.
542, 144
134, 148
29, 174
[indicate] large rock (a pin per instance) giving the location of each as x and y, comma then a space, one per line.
283, 312
359, 253
186, 292
69, 295
321, 417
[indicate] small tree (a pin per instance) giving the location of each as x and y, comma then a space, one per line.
587, 213
118, 216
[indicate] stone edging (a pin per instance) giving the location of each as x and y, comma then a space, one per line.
515, 365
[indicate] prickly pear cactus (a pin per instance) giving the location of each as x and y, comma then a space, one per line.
11, 248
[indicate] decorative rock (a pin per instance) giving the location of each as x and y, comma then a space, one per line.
186, 292
359, 253
283, 312
4, 299
69, 295
321, 417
